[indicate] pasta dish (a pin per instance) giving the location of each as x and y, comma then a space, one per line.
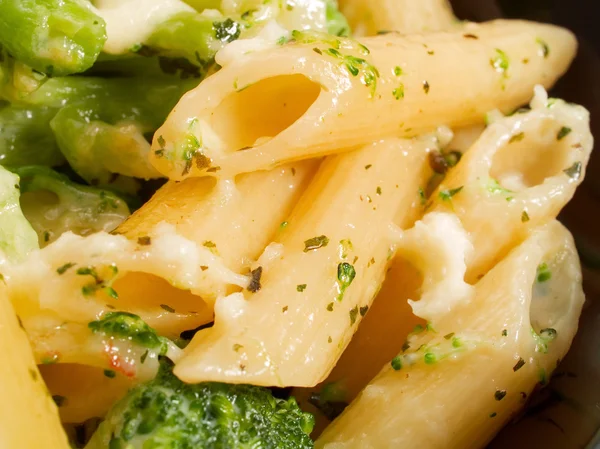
280, 224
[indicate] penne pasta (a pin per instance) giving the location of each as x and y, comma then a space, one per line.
519, 174
492, 346
334, 253
251, 210
21, 386
368, 18
320, 95
497, 219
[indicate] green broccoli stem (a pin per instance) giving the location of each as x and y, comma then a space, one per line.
74, 207
26, 137
167, 413
108, 129
56, 37
190, 37
17, 237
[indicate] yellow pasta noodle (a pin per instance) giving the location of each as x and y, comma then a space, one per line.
320, 95
367, 17
519, 174
29, 418
334, 253
492, 346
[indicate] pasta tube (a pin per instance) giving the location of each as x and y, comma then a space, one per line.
251, 210
368, 18
319, 94
310, 300
29, 406
383, 330
520, 173
506, 337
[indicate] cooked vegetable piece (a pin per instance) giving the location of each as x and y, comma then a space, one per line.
54, 204
169, 413
26, 137
17, 237
56, 37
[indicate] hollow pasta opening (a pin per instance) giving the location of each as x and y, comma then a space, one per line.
262, 110
530, 157
168, 309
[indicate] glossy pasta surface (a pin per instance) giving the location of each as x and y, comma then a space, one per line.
281, 224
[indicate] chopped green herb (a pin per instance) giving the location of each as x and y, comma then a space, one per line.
110, 373
525, 217
545, 47
543, 273
144, 356
353, 314
345, 248
426, 87
167, 308
300, 288
495, 187
63, 269
255, 276
330, 307
499, 394
456, 342
237, 347
397, 70
430, 358
378, 190
59, 400
283, 225
284, 309
128, 326
548, 334
397, 363
500, 62
542, 377
574, 171
144, 241
363, 310
449, 336
447, 194
493, 415
50, 360
368, 166
398, 92
504, 332
315, 243
345, 274
422, 196
209, 244
564, 132
519, 365
517, 137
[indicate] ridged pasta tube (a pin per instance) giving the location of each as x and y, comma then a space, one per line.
321, 94
493, 346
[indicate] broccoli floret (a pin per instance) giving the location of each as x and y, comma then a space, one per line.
336, 22
169, 414
127, 326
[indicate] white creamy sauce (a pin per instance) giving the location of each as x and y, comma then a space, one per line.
266, 39
131, 22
